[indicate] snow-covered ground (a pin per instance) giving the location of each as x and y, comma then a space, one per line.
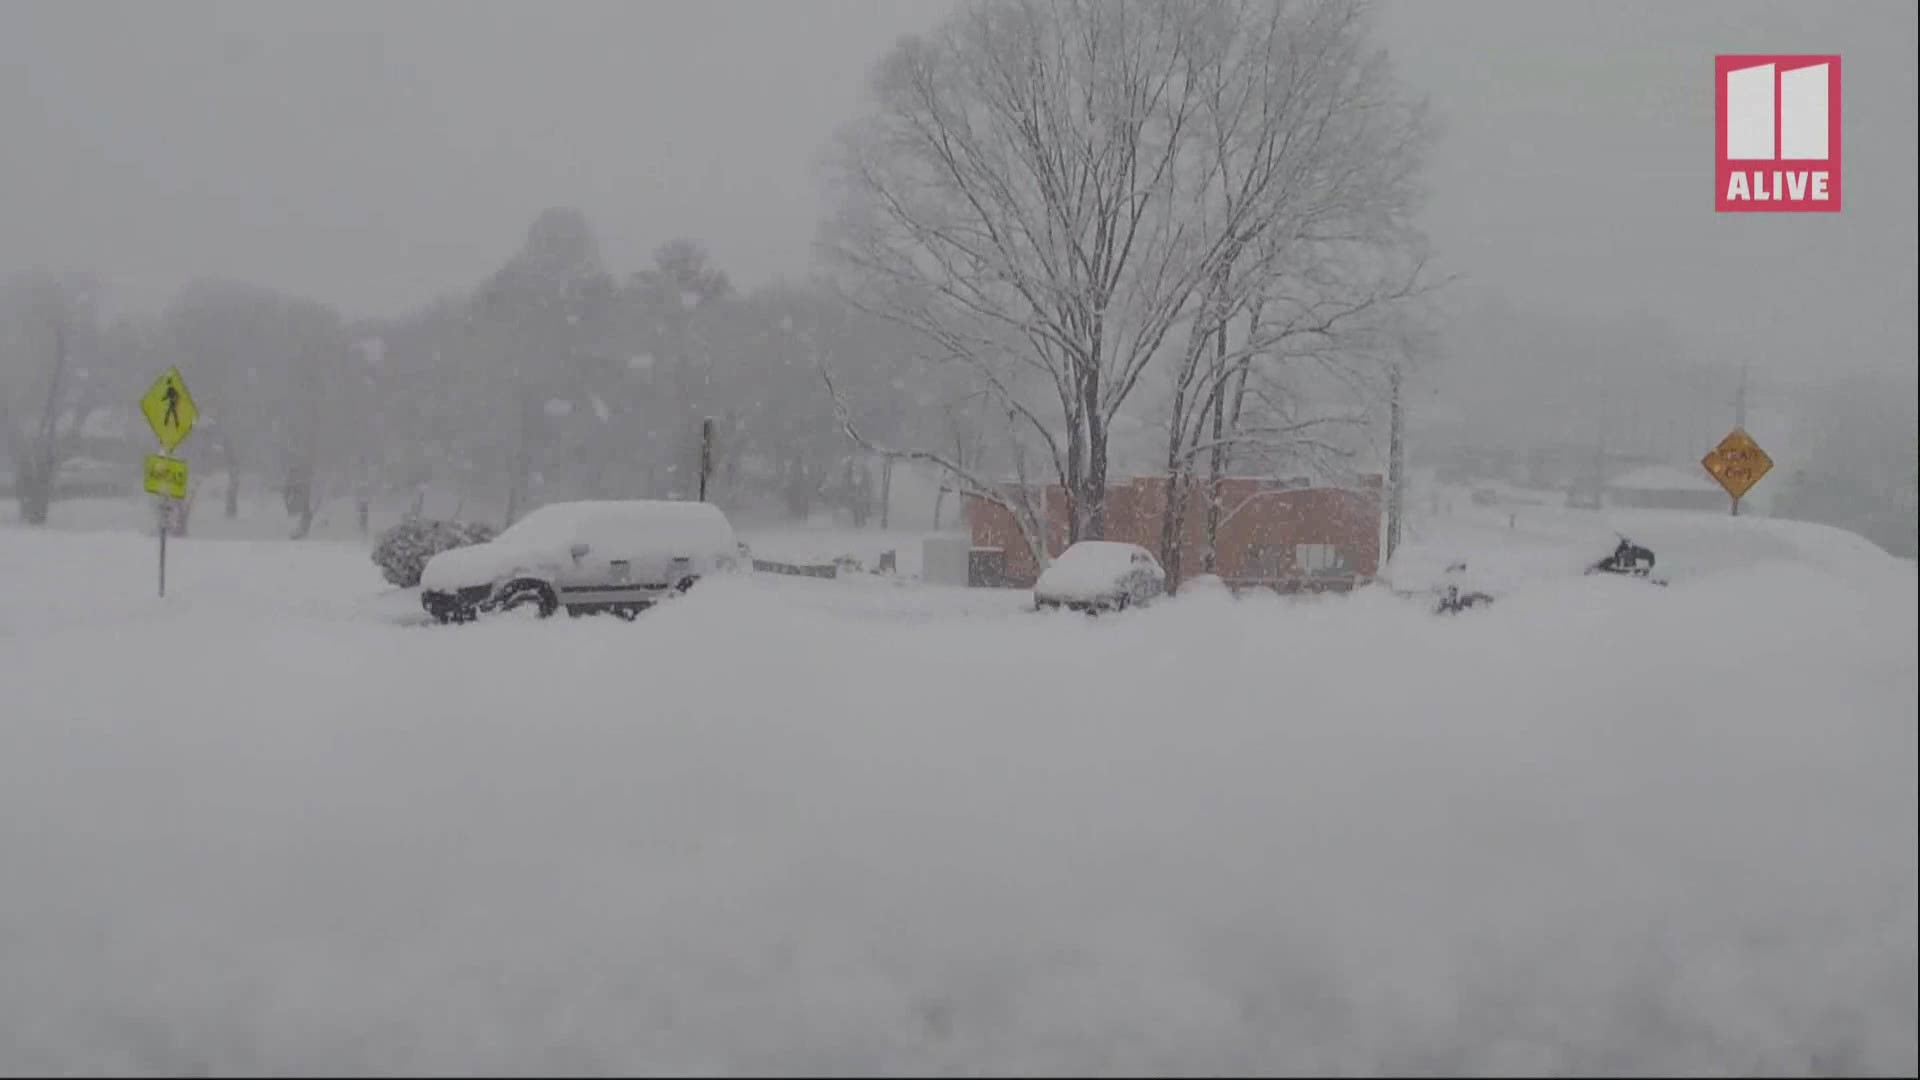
796, 826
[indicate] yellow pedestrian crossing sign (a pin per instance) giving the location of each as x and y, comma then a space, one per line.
169, 409
166, 476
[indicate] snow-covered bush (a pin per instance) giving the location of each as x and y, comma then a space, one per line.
403, 551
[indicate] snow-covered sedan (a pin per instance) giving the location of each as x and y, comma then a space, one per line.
619, 557
1100, 575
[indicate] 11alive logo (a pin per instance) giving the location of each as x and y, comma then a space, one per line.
1776, 134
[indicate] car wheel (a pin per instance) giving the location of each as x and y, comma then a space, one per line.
447, 612
529, 596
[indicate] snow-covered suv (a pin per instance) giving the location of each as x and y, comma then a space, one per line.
619, 557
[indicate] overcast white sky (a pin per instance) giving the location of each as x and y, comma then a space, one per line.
375, 155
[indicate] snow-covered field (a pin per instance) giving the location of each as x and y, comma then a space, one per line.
799, 826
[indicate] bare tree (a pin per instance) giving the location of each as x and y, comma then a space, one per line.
1316, 157
1049, 191
229, 340
672, 310
543, 318
1293, 390
48, 329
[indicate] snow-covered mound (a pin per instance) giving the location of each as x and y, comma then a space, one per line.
1549, 545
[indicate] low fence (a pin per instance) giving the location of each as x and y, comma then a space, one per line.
820, 570
1294, 586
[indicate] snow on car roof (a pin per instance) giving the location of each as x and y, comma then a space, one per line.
560, 521
1088, 552
1088, 568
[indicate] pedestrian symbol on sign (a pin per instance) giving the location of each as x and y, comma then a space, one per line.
169, 409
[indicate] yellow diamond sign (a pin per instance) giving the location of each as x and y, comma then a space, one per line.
169, 409
1738, 462
166, 476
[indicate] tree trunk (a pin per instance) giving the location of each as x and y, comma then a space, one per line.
521, 454
798, 489
33, 487
233, 479
1243, 369
182, 510
1076, 476
1396, 465
1217, 456
1091, 507
299, 498
1173, 515
1173, 522
847, 493
38, 469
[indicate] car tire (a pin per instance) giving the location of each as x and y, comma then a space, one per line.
448, 612
527, 592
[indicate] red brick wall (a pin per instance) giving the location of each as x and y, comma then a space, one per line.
993, 526
1347, 518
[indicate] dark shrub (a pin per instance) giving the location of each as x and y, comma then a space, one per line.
402, 551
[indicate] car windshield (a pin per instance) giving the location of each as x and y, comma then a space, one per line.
545, 526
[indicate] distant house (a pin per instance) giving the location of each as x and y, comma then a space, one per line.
1666, 487
1275, 533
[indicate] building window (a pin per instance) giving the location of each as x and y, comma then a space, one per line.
1317, 559
1268, 561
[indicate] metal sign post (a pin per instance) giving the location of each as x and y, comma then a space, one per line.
170, 412
166, 478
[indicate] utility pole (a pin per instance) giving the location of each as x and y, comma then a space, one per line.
706, 454
1396, 461
1740, 416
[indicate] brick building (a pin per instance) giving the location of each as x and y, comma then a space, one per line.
1277, 534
